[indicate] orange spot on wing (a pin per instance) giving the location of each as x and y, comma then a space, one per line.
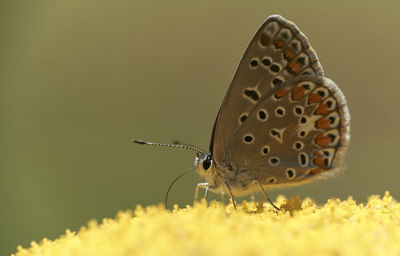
321, 110
294, 66
322, 123
288, 53
314, 98
298, 93
322, 140
281, 92
265, 39
320, 162
279, 43
318, 170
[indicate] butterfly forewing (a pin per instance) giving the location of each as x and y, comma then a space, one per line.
278, 53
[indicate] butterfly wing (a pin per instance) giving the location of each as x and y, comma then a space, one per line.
278, 53
293, 133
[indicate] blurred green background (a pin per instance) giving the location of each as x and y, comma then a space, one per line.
80, 79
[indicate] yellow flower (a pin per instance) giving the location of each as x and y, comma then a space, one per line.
300, 228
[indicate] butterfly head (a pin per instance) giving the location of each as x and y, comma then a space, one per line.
204, 165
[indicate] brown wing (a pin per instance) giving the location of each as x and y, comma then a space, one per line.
277, 53
294, 132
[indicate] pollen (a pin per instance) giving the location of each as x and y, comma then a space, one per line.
301, 227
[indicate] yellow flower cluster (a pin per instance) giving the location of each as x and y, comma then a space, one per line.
300, 228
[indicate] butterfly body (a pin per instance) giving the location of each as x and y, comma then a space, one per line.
239, 181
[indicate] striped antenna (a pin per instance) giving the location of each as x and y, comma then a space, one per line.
184, 146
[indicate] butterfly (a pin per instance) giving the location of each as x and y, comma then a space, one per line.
281, 123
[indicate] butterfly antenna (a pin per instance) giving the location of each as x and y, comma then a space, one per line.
172, 183
177, 142
189, 147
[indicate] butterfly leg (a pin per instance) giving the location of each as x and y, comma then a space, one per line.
223, 197
206, 192
266, 196
230, 193
201, 185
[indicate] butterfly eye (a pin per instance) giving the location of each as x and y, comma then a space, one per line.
206, 163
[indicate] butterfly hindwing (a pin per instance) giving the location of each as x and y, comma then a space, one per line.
294, 132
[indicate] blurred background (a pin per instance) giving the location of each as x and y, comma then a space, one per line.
80, 79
